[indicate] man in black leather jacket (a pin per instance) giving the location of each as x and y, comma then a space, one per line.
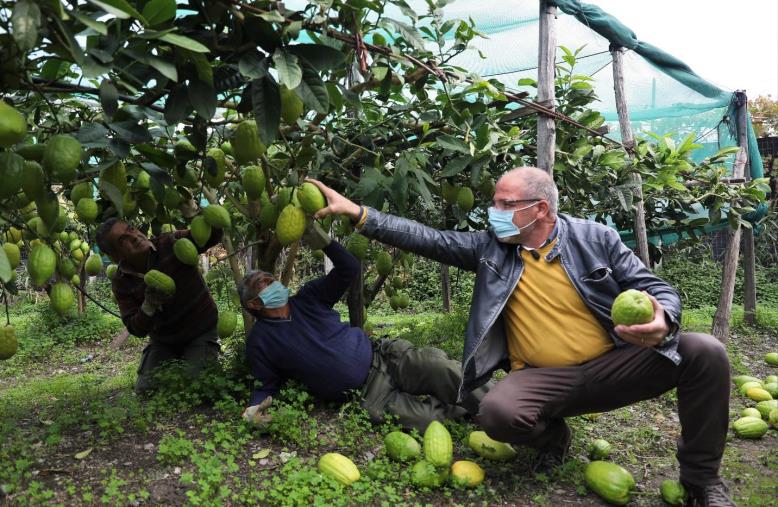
545, 285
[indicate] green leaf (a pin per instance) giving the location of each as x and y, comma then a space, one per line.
409, 33
164, 67
184, 42
159, 11
109, 97
289, 72
266, 99
336, 98
312, 89
97, 26
262, 33
177, 105
114, 195
83, 454
526, 81
320, 56
449, 142
203, 98
273, 17
25, 24
119, 8
253, 65
5, 267
456, 165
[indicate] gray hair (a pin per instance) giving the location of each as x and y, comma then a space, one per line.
249, 286
537, 183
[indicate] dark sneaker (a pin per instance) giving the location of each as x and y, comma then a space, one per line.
553, 456
712, 495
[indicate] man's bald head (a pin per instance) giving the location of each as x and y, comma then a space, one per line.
532, 183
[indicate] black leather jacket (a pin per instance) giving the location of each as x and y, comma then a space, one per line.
593, 256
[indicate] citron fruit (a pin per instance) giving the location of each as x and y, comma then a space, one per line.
13, 126
632, 307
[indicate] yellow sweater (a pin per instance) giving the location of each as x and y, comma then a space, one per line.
547, 323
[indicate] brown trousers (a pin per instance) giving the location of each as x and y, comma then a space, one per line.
528, 406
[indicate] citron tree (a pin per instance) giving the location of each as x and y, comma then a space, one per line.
211, 114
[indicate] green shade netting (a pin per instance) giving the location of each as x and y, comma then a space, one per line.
663, 94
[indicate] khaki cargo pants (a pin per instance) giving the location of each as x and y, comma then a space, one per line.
418, 385
196, 354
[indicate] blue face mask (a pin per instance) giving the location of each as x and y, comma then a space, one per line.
502, 222
274, 295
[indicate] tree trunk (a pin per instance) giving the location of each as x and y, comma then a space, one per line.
445, 287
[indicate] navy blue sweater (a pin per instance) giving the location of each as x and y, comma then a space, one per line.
312, 346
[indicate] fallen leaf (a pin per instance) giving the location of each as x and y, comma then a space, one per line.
83, 454
262, 453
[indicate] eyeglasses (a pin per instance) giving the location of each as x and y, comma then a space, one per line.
512, 204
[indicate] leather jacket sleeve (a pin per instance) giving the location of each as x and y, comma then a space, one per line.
455, 248
630, 273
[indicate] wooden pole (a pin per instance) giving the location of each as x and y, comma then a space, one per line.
546, 68
641, 236
749, 257
724, 311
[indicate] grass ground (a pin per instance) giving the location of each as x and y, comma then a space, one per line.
73, 433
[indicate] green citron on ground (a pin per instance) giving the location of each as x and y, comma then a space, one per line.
310, 197
427, 475
488, 448
632, 307
8, 343
611, 482
673, 492
61, 157
246, 146
185, 251
160, 281
13, 126
253, 181
290, 225
216, 216
226, 324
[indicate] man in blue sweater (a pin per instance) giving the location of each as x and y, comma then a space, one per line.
303, 338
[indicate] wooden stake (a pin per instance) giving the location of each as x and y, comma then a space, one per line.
546, 68
724, 311
641, 237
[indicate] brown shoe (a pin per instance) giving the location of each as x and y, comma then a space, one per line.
551, 457
712, 495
